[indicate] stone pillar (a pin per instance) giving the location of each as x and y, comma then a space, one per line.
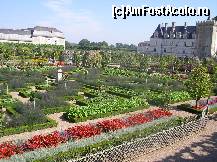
59, 75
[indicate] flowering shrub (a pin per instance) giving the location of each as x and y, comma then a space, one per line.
80, 131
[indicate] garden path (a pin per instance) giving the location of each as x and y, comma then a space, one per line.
16, 95
200, 147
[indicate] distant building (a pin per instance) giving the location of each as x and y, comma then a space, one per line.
36, 35
190, 41
207, 38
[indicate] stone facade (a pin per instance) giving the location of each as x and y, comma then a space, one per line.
36, 35
207, 38
182, 41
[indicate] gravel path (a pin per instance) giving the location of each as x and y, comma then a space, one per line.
15, 95
200, 147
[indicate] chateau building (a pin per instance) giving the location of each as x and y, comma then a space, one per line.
182, 41
36, 35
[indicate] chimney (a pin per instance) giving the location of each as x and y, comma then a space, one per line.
161, 31
165, 31
185, 25
185, 28
173, 27
166, 27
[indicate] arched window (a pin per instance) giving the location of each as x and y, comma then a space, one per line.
154, 49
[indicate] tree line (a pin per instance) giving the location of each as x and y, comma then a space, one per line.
11, 51
85, 44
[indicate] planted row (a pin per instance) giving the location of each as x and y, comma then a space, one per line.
123, 72
78, 132
105, 108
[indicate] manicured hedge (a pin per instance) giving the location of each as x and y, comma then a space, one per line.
28, 128
90, 95
212, 110
25, 92
11, 110
48, 111
119, 94
43, 87
188, 108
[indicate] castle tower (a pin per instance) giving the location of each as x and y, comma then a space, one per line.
206, 38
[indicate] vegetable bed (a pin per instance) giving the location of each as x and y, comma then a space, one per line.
105, 108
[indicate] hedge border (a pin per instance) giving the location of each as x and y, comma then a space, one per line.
28, 128
212, 110
119, 94
48, 111
187, 108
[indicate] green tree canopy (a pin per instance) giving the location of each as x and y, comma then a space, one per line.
199, 84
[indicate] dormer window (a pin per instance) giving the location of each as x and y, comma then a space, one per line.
193, 35
166, 35
156, 34
178, 35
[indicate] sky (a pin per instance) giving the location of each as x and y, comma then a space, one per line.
92, 19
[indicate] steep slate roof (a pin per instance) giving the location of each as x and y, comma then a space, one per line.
19, 32
42, 28
28, 30
190, 30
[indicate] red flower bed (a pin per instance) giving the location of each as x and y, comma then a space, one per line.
112, 125
50, 140
159, 113
8, 149
78, 132
82, 131
198, 107
138, 119
203, 103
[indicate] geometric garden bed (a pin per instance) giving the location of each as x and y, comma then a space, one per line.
130, 125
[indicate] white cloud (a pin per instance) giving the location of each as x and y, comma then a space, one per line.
76, 24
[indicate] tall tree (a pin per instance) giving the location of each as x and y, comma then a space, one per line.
84, 44
199, 84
